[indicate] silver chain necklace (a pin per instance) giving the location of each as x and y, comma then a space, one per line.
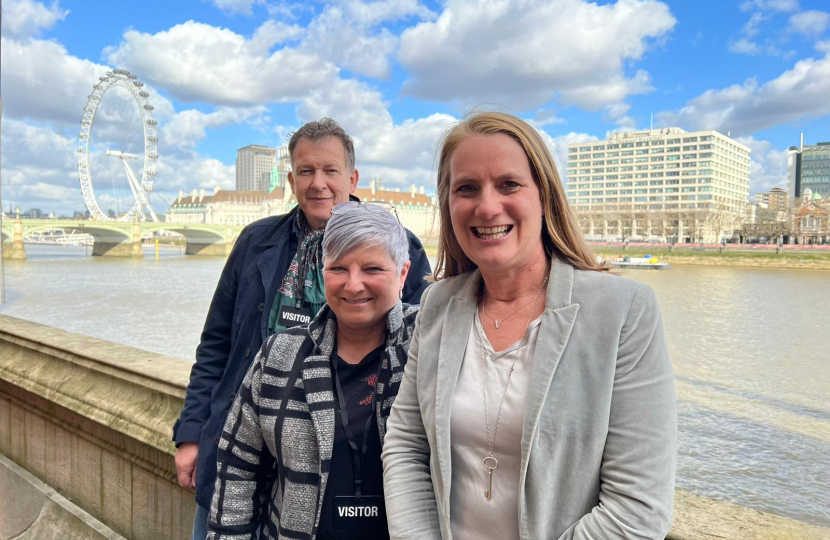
498, 322
490, 462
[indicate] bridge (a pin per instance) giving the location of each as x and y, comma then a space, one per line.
121, 239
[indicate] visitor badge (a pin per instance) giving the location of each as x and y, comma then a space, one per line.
368, 511
293, 316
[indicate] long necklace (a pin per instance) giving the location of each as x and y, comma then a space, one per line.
490, 461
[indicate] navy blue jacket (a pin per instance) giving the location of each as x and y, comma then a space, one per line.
237, 325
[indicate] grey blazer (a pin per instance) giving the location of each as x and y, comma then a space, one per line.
600, 426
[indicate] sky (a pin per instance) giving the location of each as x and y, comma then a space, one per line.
223, 74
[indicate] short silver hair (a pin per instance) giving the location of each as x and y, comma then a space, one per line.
365, 226
317, 131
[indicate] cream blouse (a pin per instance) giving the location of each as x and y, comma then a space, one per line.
472, 516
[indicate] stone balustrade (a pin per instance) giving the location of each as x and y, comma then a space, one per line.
92, 421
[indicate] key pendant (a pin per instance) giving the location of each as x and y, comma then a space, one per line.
491, 464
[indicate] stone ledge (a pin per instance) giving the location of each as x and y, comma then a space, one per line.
37, 511
134, 392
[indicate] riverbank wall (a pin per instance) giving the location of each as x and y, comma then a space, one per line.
741, 255
87, 425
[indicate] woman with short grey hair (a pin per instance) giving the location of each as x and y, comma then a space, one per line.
299, 455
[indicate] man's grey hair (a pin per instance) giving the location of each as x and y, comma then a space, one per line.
319, 130
365, 226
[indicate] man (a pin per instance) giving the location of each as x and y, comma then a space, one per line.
272, 280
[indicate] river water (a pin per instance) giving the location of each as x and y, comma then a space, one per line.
749, 346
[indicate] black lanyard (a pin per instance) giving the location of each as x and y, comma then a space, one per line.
357, 457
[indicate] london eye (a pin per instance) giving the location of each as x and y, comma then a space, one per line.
118, 149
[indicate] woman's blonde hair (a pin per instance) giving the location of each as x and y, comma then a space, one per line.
561, 234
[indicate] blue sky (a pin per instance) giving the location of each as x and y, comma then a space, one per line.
227, 73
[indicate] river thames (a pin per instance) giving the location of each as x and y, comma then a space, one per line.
749, 346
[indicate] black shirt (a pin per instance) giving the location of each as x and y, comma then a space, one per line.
358, 383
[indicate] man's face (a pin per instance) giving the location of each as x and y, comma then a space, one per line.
320, 178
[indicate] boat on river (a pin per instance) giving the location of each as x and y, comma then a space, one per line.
644, 262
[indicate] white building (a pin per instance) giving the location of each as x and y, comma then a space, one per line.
417, 211
253, 167
228, 207
662, 183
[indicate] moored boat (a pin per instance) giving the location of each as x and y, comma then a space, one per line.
646, 261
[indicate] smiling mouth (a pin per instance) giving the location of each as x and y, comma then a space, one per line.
357, 301
492, 233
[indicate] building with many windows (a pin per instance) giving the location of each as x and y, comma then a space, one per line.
253, 167
774, 199
416, 210
809, 168
279, 174
665, 184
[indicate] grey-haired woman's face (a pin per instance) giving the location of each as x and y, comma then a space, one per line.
363, 285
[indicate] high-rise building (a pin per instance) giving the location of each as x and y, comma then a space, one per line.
279, 174
809, 167
667, 183
775, 199
253, 167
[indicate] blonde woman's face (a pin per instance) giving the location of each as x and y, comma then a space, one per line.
495, 205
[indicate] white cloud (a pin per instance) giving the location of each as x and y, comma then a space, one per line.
198, 62
187, 128
27, 18
541, 47
810, 23
784, 6
39, 168
42, 81
373, 13
379, 142
185, 174
744, 46
618, 113
750, 29
558, 147
242, 7
333, 36
768, 165
272, 33
347, 33
547, 117
800, 92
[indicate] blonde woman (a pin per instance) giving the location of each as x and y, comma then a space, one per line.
538, 400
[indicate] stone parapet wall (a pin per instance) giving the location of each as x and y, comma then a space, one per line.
93, 420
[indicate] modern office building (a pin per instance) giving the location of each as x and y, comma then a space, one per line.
660, 183
279, 174
809, 167
774, 199
253, 167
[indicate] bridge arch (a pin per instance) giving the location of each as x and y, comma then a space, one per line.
201, 239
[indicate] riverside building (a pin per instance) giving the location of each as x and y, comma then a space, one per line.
774, 199
661, 184
417, 211
253, 167
809, 168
